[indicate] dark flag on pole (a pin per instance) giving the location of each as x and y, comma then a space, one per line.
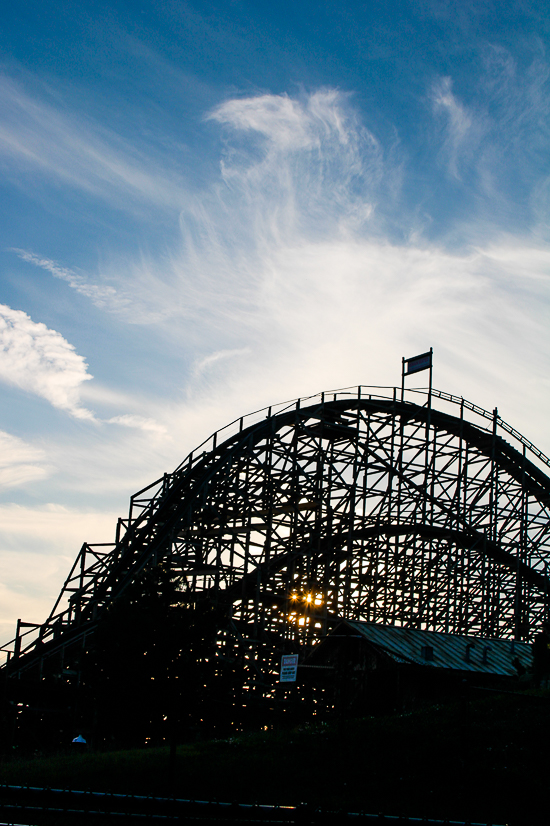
418, 363
414, 365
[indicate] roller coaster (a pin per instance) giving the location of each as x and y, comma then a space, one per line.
422, 510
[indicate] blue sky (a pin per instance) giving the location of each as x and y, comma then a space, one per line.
210, 207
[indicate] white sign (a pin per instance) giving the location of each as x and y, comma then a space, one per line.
289, 668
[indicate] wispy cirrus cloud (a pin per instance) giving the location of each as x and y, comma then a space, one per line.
207, 362
40, 361
494, 140
294, 251
20, 462
133, 305
37, 136
102, 297
139, 422
317, 170
459, 123
315, 159
288, 123
288, 260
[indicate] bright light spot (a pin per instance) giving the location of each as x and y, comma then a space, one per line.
302, 621
318, 601
308, 598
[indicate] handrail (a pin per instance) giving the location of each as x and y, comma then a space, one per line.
501, 423
358, 391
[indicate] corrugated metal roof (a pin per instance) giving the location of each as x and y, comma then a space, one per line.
479, 654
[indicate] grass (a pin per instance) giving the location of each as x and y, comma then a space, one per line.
485, 762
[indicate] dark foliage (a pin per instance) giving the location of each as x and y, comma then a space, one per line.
145, 677
482, 759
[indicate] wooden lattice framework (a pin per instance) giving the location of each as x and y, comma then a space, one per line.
356, 504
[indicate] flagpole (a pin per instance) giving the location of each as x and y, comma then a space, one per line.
428, 423
430, 387
402, 378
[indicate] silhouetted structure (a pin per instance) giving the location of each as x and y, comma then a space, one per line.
351, 505
363, 667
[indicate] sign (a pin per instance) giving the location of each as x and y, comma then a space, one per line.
289, 668
418, 363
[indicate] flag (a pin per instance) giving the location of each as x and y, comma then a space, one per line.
418, 363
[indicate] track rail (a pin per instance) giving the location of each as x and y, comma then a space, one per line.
68, 804
448, 397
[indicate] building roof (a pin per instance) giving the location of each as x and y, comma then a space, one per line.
438, 650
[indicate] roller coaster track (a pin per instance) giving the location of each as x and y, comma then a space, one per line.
370, 506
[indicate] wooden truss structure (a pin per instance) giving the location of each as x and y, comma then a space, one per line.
355, 504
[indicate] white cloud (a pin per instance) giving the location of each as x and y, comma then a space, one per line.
209, 361
139, 422
20, 462
276, 117
100, 296
459, 122
54, 525
76, 151
289, 124
37, 549
287, 263
40, 361
131, 305
294, 256
314, 149
494, 143
325, 179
